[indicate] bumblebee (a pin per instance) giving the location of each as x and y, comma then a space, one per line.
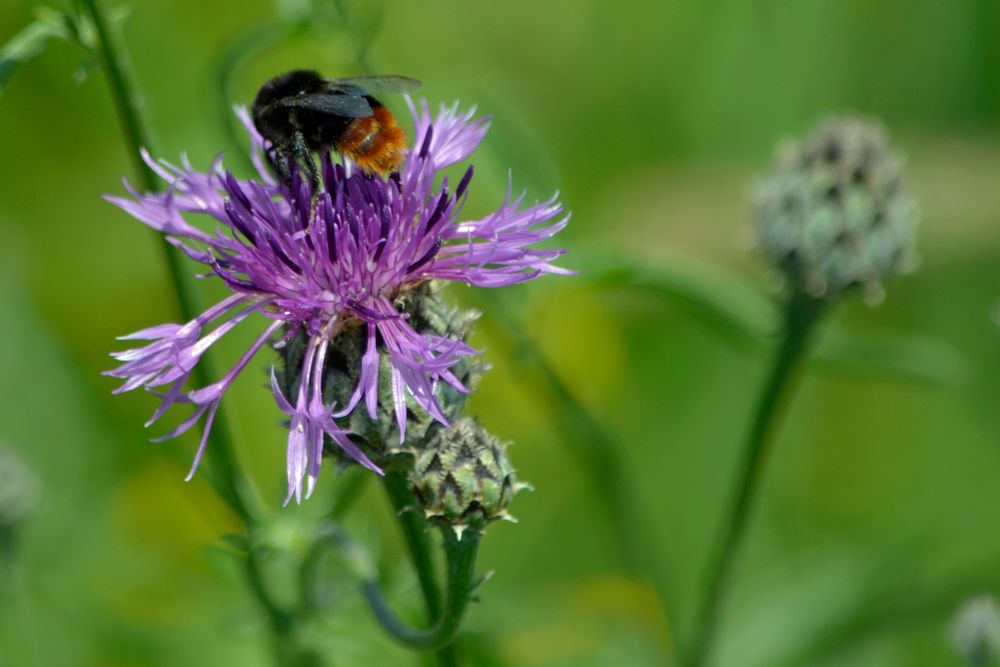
301, 112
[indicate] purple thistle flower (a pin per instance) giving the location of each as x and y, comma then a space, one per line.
317, 261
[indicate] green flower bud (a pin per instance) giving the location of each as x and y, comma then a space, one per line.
463, 477
834, 214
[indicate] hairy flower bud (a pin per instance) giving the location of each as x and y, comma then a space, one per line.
463, 477
834, 214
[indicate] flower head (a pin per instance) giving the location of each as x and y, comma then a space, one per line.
834, 214
316, 263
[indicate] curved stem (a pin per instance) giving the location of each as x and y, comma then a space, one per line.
417, 541
801, 315
418, 544
460, 553
115, 63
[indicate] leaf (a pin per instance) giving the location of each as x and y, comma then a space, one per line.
293, 12
588, 438
51, 24
56, 18
907, 358
234, 543
735, 311
82, 30
744, 317
931, 603
30, 42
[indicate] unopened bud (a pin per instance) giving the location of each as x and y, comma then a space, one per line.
834, 213
463, 477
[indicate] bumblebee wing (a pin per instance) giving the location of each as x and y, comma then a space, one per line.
394, 85
351, 106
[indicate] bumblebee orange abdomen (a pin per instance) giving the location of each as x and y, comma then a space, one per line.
374, 143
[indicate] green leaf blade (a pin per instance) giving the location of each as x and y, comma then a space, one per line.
26, 45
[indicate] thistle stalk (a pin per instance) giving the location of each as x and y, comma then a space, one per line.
802, 313
415, 535
115, 63
117, 69
460, 553
834, 217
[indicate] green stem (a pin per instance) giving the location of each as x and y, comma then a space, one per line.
417, 541
220, 451
801, 315
115, 63
460, 553
117, 68
418, 544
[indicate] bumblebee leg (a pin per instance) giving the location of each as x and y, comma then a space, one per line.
278, 159
304, 157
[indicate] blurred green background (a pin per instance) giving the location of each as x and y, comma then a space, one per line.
881, 500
